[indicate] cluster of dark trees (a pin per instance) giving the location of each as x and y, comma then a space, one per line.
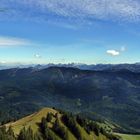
55, 127
71, 123
89, 126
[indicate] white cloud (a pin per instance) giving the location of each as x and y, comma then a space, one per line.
11, 41
113, 52
117, 52
37, 56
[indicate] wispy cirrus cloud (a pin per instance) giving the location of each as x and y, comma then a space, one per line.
83, 10
12, 41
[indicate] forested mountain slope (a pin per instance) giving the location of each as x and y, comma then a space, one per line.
111, 95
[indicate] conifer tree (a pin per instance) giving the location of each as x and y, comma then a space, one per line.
49, 117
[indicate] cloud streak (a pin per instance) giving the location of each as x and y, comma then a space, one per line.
81, 10
12, 41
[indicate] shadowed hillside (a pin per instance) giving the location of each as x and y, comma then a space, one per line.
111, 95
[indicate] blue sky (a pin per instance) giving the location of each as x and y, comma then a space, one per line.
65, 31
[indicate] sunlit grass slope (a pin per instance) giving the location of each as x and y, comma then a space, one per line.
30, 121
34, 119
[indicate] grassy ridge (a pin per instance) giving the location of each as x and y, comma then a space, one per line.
33, 120
30, 121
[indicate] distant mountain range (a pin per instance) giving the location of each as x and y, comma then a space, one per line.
99, 67
112, 95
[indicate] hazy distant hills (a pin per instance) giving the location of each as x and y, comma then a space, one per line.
108, 94
99, 67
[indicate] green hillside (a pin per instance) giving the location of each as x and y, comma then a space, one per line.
30, 121
58, 125
129, 137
